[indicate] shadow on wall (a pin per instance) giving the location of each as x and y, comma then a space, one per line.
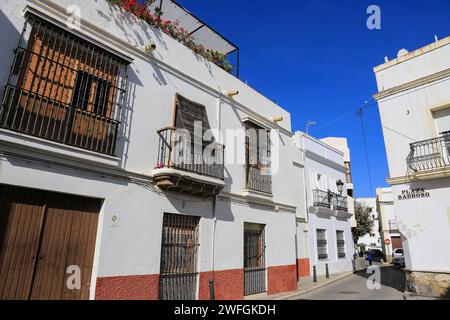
126, 117
195, 206
9, 37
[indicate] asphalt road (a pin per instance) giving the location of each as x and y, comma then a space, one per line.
355, 287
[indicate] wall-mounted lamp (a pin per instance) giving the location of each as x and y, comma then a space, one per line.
340, 187
149, 48
277, 119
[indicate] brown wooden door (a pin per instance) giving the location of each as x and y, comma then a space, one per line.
62, 235
21, 217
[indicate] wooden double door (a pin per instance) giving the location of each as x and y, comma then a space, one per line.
47, 243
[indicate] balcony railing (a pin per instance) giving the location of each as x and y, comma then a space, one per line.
330, 200
37, 115
257, 181
173, 156
339, 202
321, 199
430, 154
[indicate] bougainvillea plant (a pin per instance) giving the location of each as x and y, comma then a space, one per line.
140, 9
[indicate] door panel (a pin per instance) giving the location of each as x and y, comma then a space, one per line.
68, 239
41, 235
21, 216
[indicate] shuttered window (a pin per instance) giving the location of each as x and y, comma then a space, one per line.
258, 158
322, 246
340, 239
64, 88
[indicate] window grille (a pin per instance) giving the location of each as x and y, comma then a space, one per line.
178, 275
254, 259
64, 88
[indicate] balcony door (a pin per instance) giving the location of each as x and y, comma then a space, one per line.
197, 154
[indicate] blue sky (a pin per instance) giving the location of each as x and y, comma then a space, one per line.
315, 58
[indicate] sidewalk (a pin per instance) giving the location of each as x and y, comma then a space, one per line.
306, 285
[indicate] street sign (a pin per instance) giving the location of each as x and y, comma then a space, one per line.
387, 242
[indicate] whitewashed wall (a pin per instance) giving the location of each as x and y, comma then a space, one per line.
327, 161
132, 246
407, 117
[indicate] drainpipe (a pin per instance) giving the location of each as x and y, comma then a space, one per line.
213, 249
212, 281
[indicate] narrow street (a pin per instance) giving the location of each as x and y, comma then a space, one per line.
355, 287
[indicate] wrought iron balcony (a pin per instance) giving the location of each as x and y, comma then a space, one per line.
330, 200
321, 199
180, 169
430, 154
339, 202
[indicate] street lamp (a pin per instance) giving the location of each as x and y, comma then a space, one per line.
340, 187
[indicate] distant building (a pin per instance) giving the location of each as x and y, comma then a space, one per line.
329, 228
390, 234
414, 104
372, 240
342, 145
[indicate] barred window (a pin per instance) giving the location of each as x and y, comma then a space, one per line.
340, 238
64, 88
258, 158
322, 245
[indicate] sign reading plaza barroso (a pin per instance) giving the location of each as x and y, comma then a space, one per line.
414, 194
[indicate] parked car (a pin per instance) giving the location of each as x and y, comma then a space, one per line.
377, 255
398, 257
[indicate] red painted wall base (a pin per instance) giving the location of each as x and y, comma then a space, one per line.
127, 288
228, 285
303, 268
282, 279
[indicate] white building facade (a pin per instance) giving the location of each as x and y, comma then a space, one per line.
342, 145
389, 232
88, 120
414, 103
329, 227
372, 240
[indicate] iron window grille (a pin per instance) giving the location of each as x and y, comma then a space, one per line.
254, 259
322, 244
258, 158
178, 275
64, 88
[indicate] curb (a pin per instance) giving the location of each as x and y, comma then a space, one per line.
298, 293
